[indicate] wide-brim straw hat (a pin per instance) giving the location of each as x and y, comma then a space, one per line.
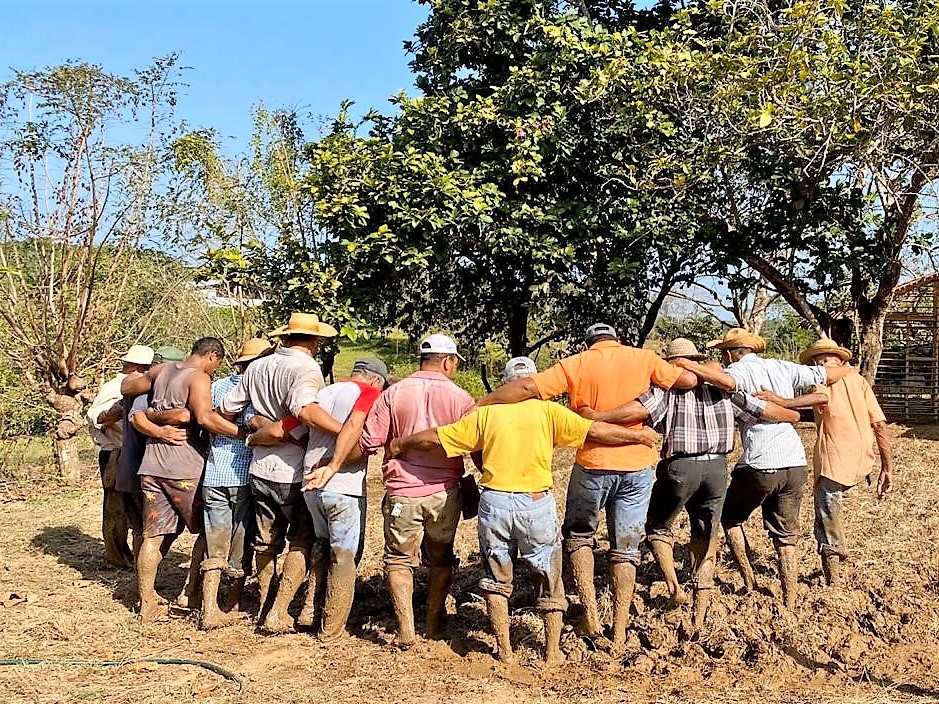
682, 347
305, 324
252, 349
738, 337
138, 354
825, 346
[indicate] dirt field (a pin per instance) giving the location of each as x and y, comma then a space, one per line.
873, 641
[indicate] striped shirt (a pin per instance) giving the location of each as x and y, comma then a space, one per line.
773, 445
229, 458
699, 421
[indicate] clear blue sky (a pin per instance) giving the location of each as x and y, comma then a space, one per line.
302, 54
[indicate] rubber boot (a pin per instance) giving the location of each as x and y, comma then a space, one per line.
737, 542
624, 583
664, 555
292, 576
401, 586
553, 623
582, 568
340, 591
498, 608
440, 579
212, 616
232, 601
148, 560
788, 574
191, 595
702, 600
265, 565
315, 592
831, 566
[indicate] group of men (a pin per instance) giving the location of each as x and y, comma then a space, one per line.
299, 480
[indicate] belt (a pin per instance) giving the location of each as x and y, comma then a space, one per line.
698, 458
535, 495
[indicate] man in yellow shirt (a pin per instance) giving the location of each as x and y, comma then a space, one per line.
517, 513
849, 421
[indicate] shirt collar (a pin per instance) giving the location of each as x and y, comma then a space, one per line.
603, 344
294, 352
431, 374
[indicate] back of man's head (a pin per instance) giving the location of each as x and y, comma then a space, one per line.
598, 332
205, 346
518, 368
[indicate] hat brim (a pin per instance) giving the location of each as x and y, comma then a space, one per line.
321, 330
843, 353
754, 342
127, 360
693, 357
247, 358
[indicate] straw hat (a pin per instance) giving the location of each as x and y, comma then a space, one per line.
305, 324
682, 347
825, 346
738, 337
252, 349
138, 354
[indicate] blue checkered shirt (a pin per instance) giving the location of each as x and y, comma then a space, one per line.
229, 458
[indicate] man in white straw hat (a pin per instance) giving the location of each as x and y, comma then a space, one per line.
771, 473
105, 419
285, 383
517, 513
698, 426
849, 420
615, 480
423, 500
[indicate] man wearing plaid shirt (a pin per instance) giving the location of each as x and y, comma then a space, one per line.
229, 508
698, 428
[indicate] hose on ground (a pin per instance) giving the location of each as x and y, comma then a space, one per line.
211, 666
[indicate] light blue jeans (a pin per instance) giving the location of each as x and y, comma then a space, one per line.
515, 526
338, 523
229, 528
625, 498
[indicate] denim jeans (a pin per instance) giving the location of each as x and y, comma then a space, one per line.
229, 528
625, 498
515, 526
338, 521
829, 526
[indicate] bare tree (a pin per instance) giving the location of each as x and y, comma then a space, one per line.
80, 165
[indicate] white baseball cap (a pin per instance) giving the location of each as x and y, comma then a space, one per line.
518, 367
439, 344
138, 354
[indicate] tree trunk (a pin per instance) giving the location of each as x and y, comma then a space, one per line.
756, 316
870, 339
66, 458
518, 330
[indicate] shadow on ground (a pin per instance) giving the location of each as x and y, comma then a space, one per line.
84, 553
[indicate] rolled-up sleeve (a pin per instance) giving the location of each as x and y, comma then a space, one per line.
377, 424
747, 409
305, 391
552, 382
235, 401
654, 402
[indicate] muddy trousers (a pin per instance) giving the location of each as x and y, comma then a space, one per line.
114, 523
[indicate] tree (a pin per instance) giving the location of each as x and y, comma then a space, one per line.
78, 195
512, 199
820, 123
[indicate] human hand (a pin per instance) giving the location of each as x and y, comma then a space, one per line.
647, 436
395, 448
587, 412
318, 477
765, 394
683, 363
172, 435
884, 482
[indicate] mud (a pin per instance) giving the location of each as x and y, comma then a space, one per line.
870, 641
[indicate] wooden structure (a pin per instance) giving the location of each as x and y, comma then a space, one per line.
907, 382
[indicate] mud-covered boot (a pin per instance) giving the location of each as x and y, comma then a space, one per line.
232, 601
498, 608
831, 566
294, 572
265, 567
401, 586
582, 568
315, 592
624, 584
440, 579
212, 616
340, 591
789, 574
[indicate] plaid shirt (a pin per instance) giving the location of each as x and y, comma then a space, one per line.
229, 458
699, 421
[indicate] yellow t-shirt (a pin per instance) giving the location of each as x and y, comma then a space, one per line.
517, 441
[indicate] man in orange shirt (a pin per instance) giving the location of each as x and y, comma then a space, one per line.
615, 479
849, 420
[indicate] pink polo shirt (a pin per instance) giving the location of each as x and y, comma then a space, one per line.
421, 401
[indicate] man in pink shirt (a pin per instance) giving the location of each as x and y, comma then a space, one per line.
422, 501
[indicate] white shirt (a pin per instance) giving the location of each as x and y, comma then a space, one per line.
112, 437
278, 385
772, 445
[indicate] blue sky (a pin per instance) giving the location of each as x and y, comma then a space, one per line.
302, 54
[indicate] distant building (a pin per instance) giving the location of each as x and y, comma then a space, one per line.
217, 294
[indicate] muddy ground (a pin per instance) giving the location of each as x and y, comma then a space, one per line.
873, 641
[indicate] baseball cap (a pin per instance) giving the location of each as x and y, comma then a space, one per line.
168, 353
439, 344
599, 330
374, 366
518, 367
